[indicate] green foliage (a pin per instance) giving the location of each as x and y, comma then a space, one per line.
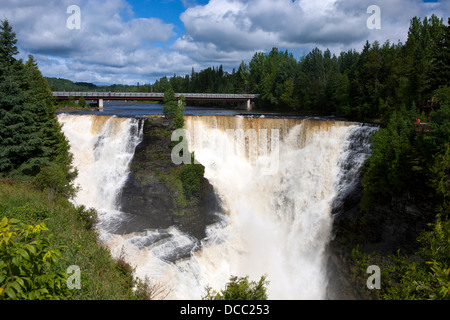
240, 288
388, 168
87, 216
405, 161
82, 102
192, 176
29, 212
441, 179
30, 135
74, 236
426, 276
173, 109
55, 182
440, 121
26, 261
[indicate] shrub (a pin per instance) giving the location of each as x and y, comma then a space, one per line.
149, 290
53, 180
173, 109
26, 259
240, 289
82, 102
191, 176
87, 216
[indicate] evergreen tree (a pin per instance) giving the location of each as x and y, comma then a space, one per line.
14, 143
30, 136
173, 109
10, 69
440, 73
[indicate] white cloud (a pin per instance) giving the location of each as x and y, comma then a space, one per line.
243, 25
106, 47
225, 29
114, 46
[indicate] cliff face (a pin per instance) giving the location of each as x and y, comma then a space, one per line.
153, 193
390, 225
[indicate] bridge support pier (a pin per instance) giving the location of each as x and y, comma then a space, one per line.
249, 105
100, 105
245, 105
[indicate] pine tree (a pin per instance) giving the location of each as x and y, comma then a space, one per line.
13, 143
440, 73
30, 136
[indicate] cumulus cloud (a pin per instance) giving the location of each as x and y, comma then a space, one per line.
244, 25
228, 26
107, 47
114, 46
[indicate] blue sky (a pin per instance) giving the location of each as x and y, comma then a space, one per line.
130, 41
168, 11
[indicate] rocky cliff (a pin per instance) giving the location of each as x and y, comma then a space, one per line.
388, 226
153, 193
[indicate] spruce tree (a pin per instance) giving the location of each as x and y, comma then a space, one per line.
440, 72
13, 141
31, 139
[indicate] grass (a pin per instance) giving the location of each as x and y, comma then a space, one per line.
70, 228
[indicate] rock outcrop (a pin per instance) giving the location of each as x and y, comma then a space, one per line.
152, 192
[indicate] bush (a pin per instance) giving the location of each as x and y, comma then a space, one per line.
87, 216
240, 289
191, 176
420, 277
26, 259
173, 109
148, 290
53, 180
82, 102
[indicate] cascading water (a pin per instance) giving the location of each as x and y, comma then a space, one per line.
276, 222
103, 147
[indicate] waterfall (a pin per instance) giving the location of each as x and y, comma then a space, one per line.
102, 147
277, 182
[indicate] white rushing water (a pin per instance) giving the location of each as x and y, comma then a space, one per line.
102, 149
276, 224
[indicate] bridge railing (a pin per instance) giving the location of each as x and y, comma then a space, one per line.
106, 94
152, 95
218, 95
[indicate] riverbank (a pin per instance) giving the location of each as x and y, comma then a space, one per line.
71, 230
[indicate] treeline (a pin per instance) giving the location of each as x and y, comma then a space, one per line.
365, 85
409, 160
59, 84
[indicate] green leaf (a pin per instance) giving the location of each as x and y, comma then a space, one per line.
24, 254
20, 282
4, 222
10, 292
16, 286
31, 248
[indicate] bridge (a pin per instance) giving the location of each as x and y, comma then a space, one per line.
244, 99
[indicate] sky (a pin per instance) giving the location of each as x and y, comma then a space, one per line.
130, 41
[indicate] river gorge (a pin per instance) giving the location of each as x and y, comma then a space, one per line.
272, 197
